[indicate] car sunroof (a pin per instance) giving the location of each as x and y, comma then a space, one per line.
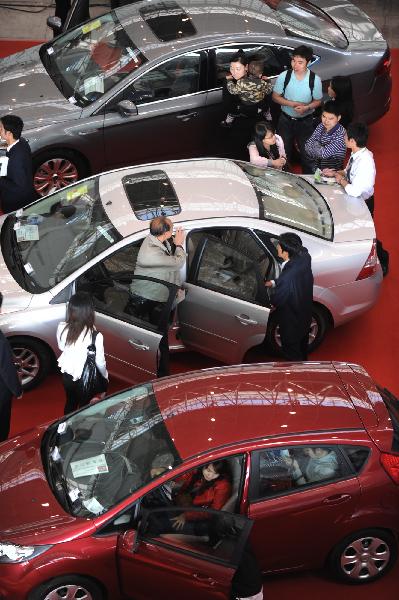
151, 194
167, 20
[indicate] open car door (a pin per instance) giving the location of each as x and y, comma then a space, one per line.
158, 562
225, 311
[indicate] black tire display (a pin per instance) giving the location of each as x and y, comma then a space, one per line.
33, 359
54, 170
73, 587
319, 327
363, 556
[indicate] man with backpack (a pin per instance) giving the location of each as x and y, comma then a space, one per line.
298, 91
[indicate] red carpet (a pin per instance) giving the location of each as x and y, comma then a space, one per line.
372, 340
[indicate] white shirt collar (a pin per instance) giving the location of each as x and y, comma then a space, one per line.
284, 263
11, 145
354, 155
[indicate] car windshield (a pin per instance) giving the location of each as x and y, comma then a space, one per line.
290, 200
56, 235
90, 59
102, 454
302, 19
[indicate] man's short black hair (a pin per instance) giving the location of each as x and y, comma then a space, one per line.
291, 243
13, 124
332, 107
358, 132
305, 52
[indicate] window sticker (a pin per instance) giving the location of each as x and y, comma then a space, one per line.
61, 427
27, 233
55, 455
72, 100
93, 506
91, 26
28, 268
74, 494
50, 50
93, 84
76, 193
89, 466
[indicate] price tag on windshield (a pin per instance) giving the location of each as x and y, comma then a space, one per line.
27, 233
91, 26
89, 466
77, 192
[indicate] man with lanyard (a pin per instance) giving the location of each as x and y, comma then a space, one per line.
299, 93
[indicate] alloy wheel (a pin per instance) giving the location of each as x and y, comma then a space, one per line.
365, 558
69, 592
313, 331
27, 363
54, 174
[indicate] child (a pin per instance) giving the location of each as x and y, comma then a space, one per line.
250, 89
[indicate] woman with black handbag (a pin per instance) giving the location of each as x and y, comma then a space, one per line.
82, 361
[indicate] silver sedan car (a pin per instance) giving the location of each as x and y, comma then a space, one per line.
144, 82
87, 237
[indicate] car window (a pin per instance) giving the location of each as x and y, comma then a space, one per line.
357, 456
280, 471
231, 271
217, 536
272, 66
176, 77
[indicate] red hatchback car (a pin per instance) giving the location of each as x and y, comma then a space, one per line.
311, 464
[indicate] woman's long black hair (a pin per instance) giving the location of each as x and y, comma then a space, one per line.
261, 130
342, 87
220, 466
80, 315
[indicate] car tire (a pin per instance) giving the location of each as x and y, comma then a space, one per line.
319, 327
68, 586
363, 556
33, 359
56, 169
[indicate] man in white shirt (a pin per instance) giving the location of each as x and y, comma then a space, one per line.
358, 177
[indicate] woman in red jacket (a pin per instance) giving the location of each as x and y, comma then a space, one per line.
207, 487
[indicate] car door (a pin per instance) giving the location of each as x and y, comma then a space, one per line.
132, 323
225, 311
169, 121
181, 566
299, 512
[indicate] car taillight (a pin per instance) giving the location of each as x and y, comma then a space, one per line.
384, 66
370, 266
390, 462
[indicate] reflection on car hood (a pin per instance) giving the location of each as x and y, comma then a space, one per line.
27, 89
28, 510
355, 24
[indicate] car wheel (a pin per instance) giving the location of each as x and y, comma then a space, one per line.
72, 587
33, 360
318, 329
54, 170
363, 556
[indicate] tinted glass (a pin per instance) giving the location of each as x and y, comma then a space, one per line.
58, 234
357, 456
151, 194
271, 65
287, 470
89, 60
100, 455
290, 200
167, 20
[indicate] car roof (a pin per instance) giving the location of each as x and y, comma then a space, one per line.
214, 21
220, 407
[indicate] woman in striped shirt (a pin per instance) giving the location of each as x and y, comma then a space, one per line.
326, 147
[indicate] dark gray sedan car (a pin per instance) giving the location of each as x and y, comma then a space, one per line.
144, 82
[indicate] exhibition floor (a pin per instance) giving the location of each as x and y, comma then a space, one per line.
372, 340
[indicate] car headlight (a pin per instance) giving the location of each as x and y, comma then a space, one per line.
12, 553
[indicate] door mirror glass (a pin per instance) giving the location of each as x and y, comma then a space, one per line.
55, 24
214, 535
127, 108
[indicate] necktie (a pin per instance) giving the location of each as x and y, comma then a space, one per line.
348, 170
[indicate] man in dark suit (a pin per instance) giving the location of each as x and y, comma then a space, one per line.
292, 295
16, 187
9, 383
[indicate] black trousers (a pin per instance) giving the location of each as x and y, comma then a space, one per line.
5, 411
298, 130
370, 205
74, 398
295, 348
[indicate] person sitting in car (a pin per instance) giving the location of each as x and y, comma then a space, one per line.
163, 494
322, 464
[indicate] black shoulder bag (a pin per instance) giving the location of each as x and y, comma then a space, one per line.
92, 382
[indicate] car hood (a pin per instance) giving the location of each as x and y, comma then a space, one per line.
29, 512
351, 217
356, 25
27, 90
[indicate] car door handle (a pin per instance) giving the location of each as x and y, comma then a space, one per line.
245, 320
204, 578
187, 116
338, 499
139, 345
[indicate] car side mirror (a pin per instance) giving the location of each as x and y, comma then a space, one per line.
128, 541
127, 108
55, 24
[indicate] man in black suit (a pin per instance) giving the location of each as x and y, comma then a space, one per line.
9, 383
16, 187
292, 295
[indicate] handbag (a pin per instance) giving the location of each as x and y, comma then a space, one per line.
92, 382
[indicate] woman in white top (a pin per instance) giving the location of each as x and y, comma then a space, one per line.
267, 148
74, 336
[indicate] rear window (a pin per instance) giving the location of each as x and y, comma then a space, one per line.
392, 404
167, 20
302, 19
151, 194
290, 200
357, 456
